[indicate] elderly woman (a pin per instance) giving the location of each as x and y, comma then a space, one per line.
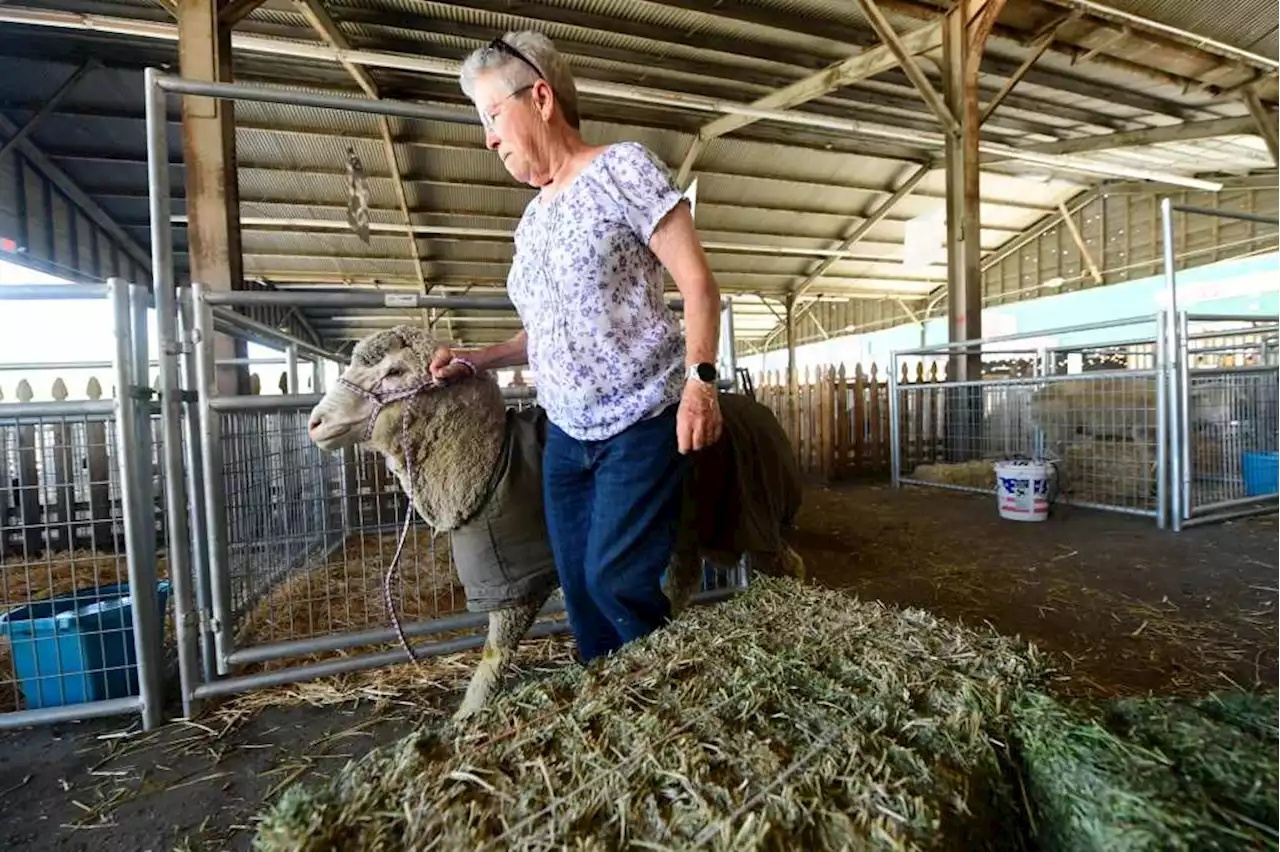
627, 394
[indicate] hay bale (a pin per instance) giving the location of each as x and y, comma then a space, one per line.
789, 717
1113, 472
1113, 408
1150, 773
974, 474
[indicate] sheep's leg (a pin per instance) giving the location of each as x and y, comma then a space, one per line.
684, 575
506, 628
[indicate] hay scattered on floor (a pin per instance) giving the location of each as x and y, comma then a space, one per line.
1151, 773
789, 717
974, 474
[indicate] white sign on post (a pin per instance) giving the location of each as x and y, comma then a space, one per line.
924, 240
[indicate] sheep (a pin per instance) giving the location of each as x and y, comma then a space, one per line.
459, 439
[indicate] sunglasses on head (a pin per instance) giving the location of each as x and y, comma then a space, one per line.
502, 47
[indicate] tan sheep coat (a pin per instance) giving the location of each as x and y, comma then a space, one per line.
502, 554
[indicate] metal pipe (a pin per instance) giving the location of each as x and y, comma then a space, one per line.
276, 94
895, 446
1043, 380
1183, 425
344, 641
192, 446
127, 446
162, 286
403, 300
1023, 335
347, 665
12, 413
1267, 508
69, 713
505, 234
1174, 347
147, 617
1234, 503
227, 404
41, 292
51, 366
230, 317
1227, 214
1162, 425
214, 498
291, 368
258, 362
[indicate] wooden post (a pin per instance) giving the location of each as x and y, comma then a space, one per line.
873, 418
6, 480
60, 517
100, 536
827, 424
859, 418
28, 488
843, 467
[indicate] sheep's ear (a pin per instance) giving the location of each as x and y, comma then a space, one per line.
395, 344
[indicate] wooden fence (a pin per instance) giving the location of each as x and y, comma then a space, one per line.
838, 423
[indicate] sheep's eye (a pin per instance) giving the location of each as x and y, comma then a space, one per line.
397, 370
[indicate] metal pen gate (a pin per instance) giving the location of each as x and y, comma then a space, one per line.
1171, 416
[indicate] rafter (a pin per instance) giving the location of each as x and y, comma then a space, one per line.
1185, 131
321, 21
910, 67
1038, 47
866, 64
76, 195
866, 225
1264, 121
50, 105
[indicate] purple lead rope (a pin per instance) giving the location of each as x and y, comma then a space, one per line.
381, 401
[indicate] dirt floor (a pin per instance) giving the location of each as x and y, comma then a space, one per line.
1120, 606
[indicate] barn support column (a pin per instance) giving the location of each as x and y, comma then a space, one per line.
963, 40
209, 152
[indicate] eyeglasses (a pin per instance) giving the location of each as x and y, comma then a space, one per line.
487, 120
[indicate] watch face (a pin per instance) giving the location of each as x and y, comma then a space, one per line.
707, 372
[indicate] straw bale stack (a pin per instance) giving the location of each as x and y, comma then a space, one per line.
1111, 472
745, 725
1151, 774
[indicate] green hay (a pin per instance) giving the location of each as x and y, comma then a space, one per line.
1151, 773
788, 718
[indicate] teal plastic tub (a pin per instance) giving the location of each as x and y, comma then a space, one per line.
76, 647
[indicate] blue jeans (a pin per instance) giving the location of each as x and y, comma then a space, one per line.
612, 507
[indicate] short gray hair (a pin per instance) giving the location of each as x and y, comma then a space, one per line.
539, 50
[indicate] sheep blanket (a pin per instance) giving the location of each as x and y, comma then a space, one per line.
739, 495
503, 555
745, 489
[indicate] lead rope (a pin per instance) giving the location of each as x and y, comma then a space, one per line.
380, 402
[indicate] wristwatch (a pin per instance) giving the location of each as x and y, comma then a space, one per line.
704, 372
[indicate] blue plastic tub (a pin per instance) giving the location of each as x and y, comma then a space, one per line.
76, 647
1261, 473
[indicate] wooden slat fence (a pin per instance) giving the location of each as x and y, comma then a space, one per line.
838, 420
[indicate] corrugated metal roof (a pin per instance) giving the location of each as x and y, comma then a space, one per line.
769, 185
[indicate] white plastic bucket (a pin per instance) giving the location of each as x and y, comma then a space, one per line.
1022, 490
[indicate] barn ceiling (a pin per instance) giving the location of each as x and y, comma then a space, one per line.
775, 201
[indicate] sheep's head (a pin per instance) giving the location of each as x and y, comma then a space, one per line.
382, 363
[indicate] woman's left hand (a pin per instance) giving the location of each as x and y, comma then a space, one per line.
698, 420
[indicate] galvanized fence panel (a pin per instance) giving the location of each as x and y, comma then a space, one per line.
299, 542
80, 525
1228, 388
1092, 409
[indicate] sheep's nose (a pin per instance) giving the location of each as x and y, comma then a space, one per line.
314, 423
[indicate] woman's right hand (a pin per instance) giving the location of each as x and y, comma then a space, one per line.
445, 367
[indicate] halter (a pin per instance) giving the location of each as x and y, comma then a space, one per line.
381, 401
